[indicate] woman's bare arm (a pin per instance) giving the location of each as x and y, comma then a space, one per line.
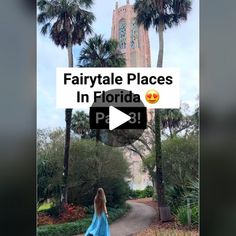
105, 209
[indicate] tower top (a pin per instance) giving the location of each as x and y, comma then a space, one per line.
117, 3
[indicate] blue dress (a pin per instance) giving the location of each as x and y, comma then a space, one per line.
99, 226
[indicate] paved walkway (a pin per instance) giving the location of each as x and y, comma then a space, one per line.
138, 218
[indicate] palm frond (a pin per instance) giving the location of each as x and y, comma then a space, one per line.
98, 52
84, 3
168, 12
45, 28
65, 20
42, 17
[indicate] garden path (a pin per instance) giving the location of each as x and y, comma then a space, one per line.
137, 219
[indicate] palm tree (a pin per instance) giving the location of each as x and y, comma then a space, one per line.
171, 120
161, 14
99, 52
67, 22
80, 124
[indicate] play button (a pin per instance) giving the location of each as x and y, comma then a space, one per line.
117, 118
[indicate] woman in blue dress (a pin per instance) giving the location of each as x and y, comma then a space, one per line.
99, 226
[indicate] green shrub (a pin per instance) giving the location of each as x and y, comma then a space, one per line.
192, 192
67, 229
181, 160
182, 215
195, 215
147, 192
90, 168
115, 213
175, 197
44, 206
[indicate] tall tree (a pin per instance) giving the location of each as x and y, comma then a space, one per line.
99, 52
161, 14
67, 22
80, 125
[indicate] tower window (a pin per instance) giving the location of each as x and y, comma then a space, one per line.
122, 34
134, 35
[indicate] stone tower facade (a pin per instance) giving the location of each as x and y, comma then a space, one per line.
133, 39
134, 43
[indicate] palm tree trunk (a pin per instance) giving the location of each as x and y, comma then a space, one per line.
68, 115
161, 45
164, 211
70, 55
159, 176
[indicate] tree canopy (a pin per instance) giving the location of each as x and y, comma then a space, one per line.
99, 52
65, 20
161, 12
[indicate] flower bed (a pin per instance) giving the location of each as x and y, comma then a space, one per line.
70, 213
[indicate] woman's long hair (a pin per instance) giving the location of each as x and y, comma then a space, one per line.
100, 200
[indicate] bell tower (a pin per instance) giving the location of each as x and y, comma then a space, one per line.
133, 39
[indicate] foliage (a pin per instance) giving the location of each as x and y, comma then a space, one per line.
99, 52
183, 212
116, 213
49, 164
55, 211
160, 15
171, 127
44, 207
195, 215
192, 192
169, 13
181, 160
90, 168
175, 197
171, 118
195, 119
65, 20
67, 229
179, 122
147, 192
55, 215
80, 226
180, 169
80, 123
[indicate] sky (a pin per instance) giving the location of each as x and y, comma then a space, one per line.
181, 50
